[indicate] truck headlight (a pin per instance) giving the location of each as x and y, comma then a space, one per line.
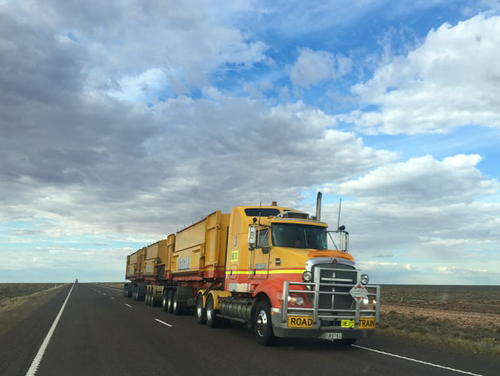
299, 300
307, 276
365, 279
296, 300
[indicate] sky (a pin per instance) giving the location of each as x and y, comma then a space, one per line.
124, 121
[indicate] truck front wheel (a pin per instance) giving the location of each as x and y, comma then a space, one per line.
262, 324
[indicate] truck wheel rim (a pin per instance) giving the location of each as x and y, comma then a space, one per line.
210, 312
261, 323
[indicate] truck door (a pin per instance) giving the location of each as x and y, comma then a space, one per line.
259, 264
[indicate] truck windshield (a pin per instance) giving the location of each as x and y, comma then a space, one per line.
299, 236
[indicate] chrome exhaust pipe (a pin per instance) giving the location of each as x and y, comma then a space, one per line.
318, 206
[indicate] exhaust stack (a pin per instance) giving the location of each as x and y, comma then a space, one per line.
318, 206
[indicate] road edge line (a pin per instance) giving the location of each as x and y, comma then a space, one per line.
417, 361
41, 351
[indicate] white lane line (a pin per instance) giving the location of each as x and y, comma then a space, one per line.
113, 297
128, 305
38, 358
111, 288
164, 323
417, 361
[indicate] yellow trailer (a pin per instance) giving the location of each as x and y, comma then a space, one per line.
200, 250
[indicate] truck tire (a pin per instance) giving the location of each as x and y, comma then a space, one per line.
154, 301
262, 324
134, 293
151, 297
177, 309
212, 320
141, 292
200, 310
170, 301
164, 299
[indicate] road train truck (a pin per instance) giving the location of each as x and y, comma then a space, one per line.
267, 266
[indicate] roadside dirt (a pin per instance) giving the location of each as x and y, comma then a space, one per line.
13, 311
461, 319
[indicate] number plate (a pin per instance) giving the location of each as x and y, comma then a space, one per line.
347, 324
367, 323
332, 336
300, 321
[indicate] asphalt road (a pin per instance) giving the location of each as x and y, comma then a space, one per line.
102, 333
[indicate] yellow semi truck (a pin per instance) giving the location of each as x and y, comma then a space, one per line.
267, 266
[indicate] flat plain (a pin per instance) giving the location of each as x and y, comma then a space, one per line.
466, 317
18, 300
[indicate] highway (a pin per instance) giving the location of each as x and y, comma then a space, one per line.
99, 332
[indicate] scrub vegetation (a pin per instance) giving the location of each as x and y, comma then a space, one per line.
18, 300
466, 317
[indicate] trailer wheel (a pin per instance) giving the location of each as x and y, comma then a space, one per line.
200, 310
129, 291
170, 303
151, 297
134, 292
176, 307
262, 324
153, 300
164, 299
212, 320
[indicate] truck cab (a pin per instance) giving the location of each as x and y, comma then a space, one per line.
300, 288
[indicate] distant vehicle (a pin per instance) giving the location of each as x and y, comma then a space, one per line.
76, 280
267, 266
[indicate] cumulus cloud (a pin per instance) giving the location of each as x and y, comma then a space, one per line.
135, 54
449, 81
422, 209
177, 158
314, 67
123, 123
452, 180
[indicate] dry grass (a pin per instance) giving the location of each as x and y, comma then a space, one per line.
466, 317
18, 300
113, 285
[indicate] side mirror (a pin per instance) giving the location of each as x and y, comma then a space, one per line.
252, 238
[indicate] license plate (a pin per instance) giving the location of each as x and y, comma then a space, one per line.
332, 336
300, 321
367, 323
347, 324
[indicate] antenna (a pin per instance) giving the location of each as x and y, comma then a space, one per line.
260, 212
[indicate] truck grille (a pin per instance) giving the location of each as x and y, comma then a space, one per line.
329, 296
334, 286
